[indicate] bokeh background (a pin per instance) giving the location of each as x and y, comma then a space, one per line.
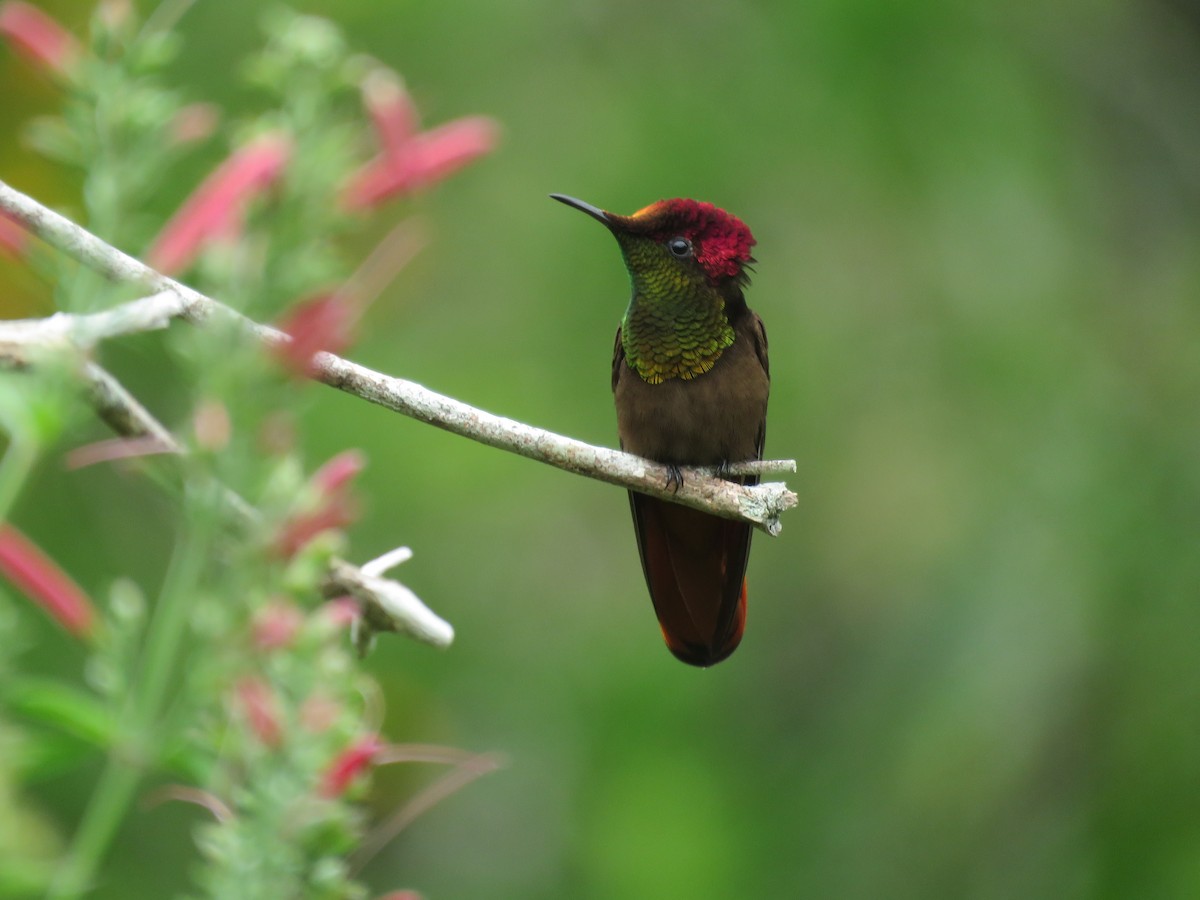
971, 667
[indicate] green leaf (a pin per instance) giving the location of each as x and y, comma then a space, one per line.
153, 52
43, 757
24, 877
51, 137
62, 707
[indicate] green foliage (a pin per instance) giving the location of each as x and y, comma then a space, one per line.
230, 686
969, 666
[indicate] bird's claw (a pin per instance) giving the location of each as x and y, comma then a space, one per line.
674, 478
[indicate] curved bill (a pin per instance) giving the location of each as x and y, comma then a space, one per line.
593, 211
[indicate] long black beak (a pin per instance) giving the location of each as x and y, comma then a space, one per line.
595, 212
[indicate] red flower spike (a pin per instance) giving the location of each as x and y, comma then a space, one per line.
336, 509
391, 109
38, 37
215, 209
341, 611
444, 150
257, 702
276, 625
349, 764
323, 323
374, 183
298, 533
318, 712
425, 160
327, 322
14, 239
336, 474
193, 123
41, 579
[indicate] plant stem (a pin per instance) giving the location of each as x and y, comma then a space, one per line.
123, 771
15, 468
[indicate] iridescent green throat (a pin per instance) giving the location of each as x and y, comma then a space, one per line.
675, 326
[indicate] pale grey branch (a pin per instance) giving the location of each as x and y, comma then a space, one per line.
389, 606
760, 504
146, 314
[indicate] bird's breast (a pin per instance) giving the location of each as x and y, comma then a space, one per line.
711, 418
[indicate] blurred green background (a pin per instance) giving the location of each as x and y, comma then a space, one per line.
970, 667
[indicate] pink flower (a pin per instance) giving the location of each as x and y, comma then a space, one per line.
327, 322
322, 323
341, 611
336, 506
333, 477
193, 123
276, 625
299, 532
14, 239
391, 109
257, 702
441, 151
400, 895
44, 582
349, 764
425, 160
318, 712
408, 160
38, 37
216, 209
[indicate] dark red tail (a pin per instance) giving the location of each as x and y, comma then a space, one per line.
695, 566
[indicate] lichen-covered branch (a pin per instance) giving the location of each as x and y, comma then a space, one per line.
760, 504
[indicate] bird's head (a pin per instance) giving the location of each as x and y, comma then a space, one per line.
678, 242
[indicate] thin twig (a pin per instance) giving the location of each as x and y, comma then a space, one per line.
387, 605
121, 411
760, 504
467, 770
145, 314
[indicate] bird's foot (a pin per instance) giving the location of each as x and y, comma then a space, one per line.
674, 478
726, 470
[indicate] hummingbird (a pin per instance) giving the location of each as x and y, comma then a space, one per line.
690, 381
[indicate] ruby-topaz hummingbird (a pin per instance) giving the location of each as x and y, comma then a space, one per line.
690, 381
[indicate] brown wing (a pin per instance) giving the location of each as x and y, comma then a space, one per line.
618, 359
758, 334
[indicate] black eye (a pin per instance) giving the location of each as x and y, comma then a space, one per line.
680, 246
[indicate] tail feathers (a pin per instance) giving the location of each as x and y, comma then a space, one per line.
695, 565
